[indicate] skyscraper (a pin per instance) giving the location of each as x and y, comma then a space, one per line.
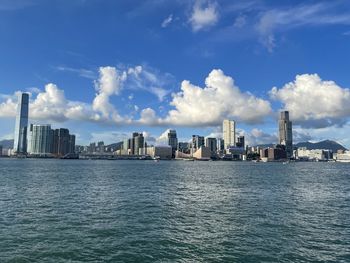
63, 142
137, 142
229, 133
211, 143
20, 140
41, 139
197, 142
240, 142
172, 141
285, 133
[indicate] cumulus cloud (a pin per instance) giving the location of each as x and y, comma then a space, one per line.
148, 116
258, 137
49, 105
149, 138
110, 83
313, 102
301, 135
163, 138
204, 15
9, 106
192, 106
219, 99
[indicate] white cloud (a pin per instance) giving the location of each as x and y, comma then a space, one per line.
313, 102
9, 106
148, 137
166, 22
204, 15
149, 117
110, 83
219, 99
258, 137
163, 138
149, 80
85, 73
276, 20
159, 92
49, 105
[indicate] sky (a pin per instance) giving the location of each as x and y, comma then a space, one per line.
105, 68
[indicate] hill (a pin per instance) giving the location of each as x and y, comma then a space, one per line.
327, 144
6, 144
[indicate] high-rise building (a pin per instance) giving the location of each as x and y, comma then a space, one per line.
63, 143
183, 147
20, 139
101, 147
211, 143
92, 147
41, 139
221, 144
137, 142
172, 141
197, 142
71, 143
285, 133
229, 133
240, 142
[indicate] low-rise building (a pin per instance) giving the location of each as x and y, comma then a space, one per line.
305, 154
163, 152
203, 153
343, 157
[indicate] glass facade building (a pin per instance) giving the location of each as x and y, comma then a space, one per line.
20, 139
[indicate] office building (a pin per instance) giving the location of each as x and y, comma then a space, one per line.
172, 141
197, 142
71, 143
92, 147
272, 154
63, 143
220, 145
136, 142
101, 147
240, 142
41, 137
285, 133
20, 139
211, 143
184, 147
163, 152
229, 133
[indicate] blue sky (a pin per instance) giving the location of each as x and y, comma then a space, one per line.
106, 68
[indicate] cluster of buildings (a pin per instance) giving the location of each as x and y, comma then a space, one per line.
284, 149
230, 147
37, 140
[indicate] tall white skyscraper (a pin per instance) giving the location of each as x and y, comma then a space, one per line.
20, 139
229, 133
285, 133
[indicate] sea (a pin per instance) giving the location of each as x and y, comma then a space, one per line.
173, 211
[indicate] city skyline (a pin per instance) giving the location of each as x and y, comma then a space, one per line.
246, 61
